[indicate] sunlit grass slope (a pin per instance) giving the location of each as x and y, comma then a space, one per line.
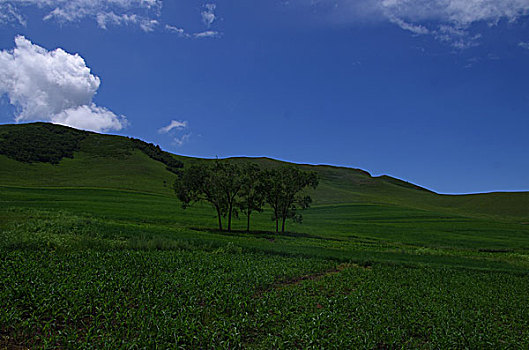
106, 161
97, 252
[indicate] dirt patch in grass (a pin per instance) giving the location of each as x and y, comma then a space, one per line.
312, 277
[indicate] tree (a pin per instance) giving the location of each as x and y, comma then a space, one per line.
227, 177
197, 183
218, 184
283, 193
251, 196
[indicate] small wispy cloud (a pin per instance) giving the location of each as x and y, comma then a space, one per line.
174, 124
524, 45
104, 19
174, 129
207, 34
174, 29
208, 15
200, 35
148, 25
414, 28
452, 22
10, 14
179, 141
142, 13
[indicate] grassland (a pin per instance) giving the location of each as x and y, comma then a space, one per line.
96, 252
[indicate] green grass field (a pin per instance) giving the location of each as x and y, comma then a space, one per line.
96, 252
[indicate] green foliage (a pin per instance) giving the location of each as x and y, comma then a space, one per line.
123, 298
218, 183
155, 152
283, 193
41, 142
252, 193
377, 263
228, 187
108, 161
109, 269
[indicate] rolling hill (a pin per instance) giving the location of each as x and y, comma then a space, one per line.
94, 160
96, 252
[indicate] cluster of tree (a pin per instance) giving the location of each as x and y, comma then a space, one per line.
155, 152
40, 142
231, 188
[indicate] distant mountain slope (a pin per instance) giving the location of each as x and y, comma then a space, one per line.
89, 159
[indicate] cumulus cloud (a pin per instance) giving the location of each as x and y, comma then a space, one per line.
90, 117
208, 16
174, 128
143, 13
53, 86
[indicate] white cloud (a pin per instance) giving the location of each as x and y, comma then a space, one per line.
456, 12
199, 35
179, 141
105, 18
148, 25
174, 127
9, 14
175, 29
90, 117
143, 13
208, 16
450, 21
415, 29
174, 124
524, 45
207, 34
53, 86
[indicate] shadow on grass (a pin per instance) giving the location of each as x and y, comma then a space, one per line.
263, 234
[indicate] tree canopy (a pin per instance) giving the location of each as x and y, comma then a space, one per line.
229, 187
284, 193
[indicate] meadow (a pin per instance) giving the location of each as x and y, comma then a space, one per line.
97, 252
101, 268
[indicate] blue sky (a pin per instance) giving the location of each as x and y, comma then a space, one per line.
433, 92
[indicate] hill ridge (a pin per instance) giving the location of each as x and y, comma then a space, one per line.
115, 161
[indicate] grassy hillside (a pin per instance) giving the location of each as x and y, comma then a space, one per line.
105, 161
96, 252
108, 268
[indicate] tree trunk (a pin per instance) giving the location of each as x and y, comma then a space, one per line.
248, 223
220, 220
277, 225
229, 218
283, 225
